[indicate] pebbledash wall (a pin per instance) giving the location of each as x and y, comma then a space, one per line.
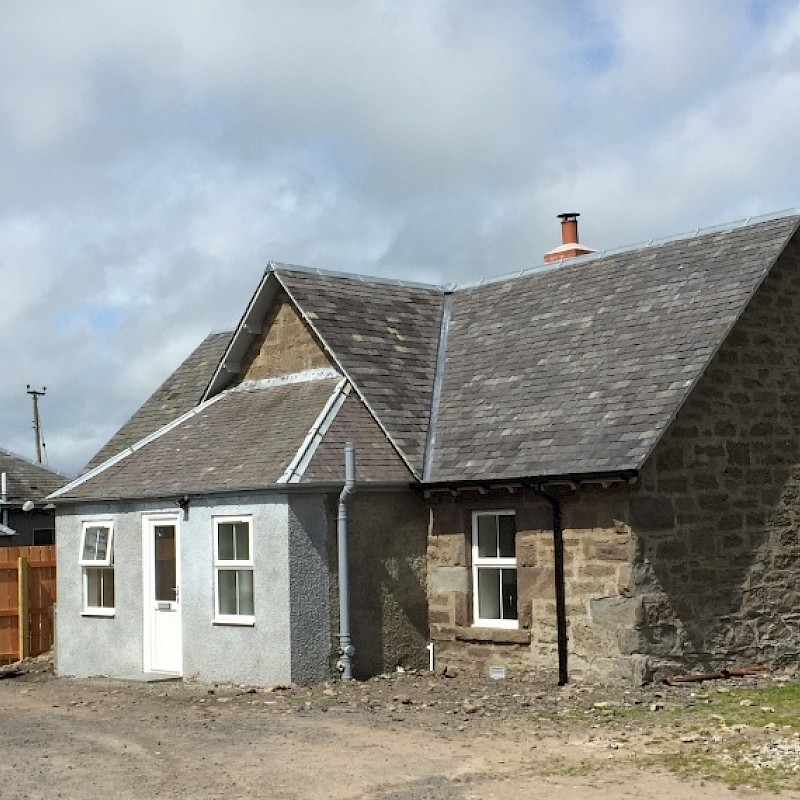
693, 567
291, 637
387, 540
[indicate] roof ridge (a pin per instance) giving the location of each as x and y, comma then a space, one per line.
723, 227
32, 463
276, 266
743, 222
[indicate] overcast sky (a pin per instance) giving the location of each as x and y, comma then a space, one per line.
154, 156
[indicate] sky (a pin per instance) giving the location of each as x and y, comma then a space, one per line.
154, 157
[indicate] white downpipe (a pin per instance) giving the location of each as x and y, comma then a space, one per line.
4, 498
429, 647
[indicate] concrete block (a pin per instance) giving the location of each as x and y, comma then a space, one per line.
450, 579
625, 611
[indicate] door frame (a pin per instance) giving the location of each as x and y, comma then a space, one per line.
149, 521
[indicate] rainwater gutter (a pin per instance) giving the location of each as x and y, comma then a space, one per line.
346, 649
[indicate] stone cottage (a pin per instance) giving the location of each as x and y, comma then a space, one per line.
586, 469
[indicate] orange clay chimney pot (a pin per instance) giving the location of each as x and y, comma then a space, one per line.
570, 246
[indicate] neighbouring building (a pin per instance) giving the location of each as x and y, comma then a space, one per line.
586, 469
27, 517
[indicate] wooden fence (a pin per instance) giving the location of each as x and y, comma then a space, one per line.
27, 596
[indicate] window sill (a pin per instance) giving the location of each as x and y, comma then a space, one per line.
493, 635
242, 622
98, 612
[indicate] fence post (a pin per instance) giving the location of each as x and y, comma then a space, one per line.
22, 605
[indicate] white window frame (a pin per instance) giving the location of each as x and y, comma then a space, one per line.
479, 562
89, 565
228, 565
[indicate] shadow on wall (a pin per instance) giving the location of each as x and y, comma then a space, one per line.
717, 517
387, 542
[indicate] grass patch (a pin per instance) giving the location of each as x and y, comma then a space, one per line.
739, 706
741, 736
736, 774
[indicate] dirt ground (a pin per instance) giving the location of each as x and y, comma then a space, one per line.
396, 737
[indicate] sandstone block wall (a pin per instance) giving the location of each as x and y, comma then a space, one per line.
717, 517
286, 345
598, 549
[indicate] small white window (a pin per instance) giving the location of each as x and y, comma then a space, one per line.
494, 569
233, 570
97, 560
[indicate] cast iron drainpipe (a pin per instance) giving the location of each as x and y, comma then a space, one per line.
346, 650
558, 568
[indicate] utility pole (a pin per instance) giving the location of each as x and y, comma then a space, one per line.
37, 428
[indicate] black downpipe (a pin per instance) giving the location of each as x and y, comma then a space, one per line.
561, 594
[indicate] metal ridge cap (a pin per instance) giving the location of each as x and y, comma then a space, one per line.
277, 266
643, 245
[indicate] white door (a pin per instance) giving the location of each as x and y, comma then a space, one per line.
163, 650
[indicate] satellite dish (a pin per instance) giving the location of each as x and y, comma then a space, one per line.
27, 505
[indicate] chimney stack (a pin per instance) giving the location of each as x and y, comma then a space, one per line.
570, 246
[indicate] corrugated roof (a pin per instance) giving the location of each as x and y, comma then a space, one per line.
182, 390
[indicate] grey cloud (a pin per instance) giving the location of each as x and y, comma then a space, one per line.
156, 155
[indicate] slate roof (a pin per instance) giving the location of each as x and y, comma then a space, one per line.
27, 480
180, 391
385, 336
580, 369
571, 370
376, 459
244, 440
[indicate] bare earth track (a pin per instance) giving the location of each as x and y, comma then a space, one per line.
396, 738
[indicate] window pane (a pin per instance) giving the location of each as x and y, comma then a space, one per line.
94, 594
99, 588
507, 529
43, 536
165, 573
242, 541
489, 593
509, 592
89, 544
102, 543
108, 588
487, 536
245, 581
226, 589
225, 545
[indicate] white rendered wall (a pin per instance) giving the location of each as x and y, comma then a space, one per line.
260, 654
